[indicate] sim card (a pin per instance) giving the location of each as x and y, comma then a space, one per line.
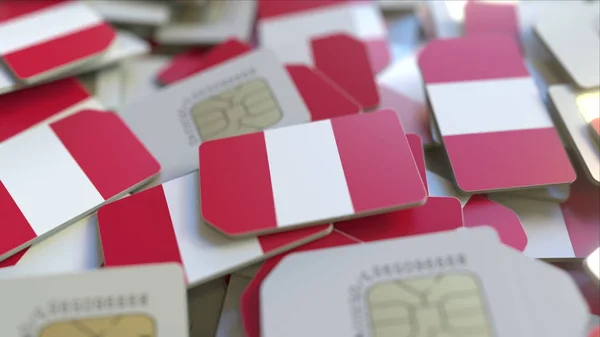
480, 211
289, 27
544, 225
133, 12
304, 175
124, 46
44, 38
76, 248
440, 283
210, 24
179, 234
245, 94
573, 37
115, 302
71, 167
249, 304
230, 322
483, 17
53, 101
576, 110
478, 100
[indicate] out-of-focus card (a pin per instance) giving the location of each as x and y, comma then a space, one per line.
43, 38
194, 61
88, 159
246, 94
309, 174
43, 104
394, 5
444, 19
180, 235
480, 211
425, 286
133, 12
230, 324
249, 306
75, 248
483, 17
576, 110
501, 148
592, 264
289, 27
573, 38
225, 19
544, 225
116, 302
124, 46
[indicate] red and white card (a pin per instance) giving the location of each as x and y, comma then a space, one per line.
480, 211
309, 174
375, 293
121, 302
76, 248
178, 234
56, 174
43, 38
484, 17
43, 104
494, 126
289, 27
573, 37
577, 110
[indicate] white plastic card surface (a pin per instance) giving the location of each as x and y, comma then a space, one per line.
115, 302
444, 283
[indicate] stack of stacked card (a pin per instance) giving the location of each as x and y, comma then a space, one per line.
298, 168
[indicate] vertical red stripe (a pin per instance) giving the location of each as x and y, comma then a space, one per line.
378, 164
14, 227
195, 60
138, 230
472, 58
59, 52
416, 148
274, 8
12, 9
479, 211
346, 61
323, 98
249, 305
236, 184
437, 215
106, 150
482, 18
24, 108
508, 160
272, 242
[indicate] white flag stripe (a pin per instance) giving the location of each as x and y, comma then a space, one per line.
44, 180
45, 25
307, 177
488, 106
204, 251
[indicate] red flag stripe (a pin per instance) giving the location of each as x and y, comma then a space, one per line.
14, 226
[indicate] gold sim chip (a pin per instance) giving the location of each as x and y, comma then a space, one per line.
246, 108
446, 305
115, 326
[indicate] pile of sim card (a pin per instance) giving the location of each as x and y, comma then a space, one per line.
299, 168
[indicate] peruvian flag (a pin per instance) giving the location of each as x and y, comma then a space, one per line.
309, 174
53, 175
163, 224
39, 37
288, 27
494, 126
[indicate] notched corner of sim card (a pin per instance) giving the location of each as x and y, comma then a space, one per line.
128, 325
248, 107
